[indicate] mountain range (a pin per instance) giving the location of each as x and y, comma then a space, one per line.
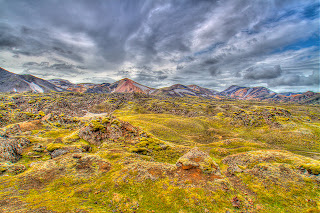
10, 82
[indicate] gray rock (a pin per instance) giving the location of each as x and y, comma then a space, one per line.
58, 152
38, 148
11, 148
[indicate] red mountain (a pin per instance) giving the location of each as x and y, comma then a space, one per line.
127, 85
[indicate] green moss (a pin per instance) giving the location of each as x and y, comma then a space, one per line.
53, 146
116, 122
312, 168
105, 120
56, 133
97, 126
139, 150
41, 113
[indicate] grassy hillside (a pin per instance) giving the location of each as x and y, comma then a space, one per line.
72, 152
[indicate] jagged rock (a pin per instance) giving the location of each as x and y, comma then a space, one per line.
86, 148
64, 150
47, 117
234, 169
7, 167
12, 130
107, 128
38, 148
196, 159
11, 148
93, 137
58, 152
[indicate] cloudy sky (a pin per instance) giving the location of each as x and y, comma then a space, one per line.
211, 43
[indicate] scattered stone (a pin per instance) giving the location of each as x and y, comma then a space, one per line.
12, 130
47, 117
236, 202
234, 169
38, 148
86, 148
77, 156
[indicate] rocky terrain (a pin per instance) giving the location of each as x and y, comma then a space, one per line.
135, 152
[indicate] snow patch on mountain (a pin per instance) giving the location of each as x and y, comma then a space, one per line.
248, 92
143, 88
231, 89
178, 91
35, 87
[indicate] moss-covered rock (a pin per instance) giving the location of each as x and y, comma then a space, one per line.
53, 146
11, 148
196, 159
108, 128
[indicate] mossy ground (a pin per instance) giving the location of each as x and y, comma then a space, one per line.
268, 154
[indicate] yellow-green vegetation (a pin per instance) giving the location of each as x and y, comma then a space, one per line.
312, 168
53, 146
257, 156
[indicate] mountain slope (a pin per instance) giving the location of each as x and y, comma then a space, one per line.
177, 90
127, 85
203, 91
248, 93
10, 82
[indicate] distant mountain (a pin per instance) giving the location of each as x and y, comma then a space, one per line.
203, 91
123, 86
289, 93
177, 90
20, 83
305, 98
248, 93
10, 82
67, 85
127, 85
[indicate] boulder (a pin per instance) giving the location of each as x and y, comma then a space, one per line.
196, 159
11, 148
12, 130
108, 128
58, 152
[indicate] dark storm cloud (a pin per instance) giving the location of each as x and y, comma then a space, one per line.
257, 73
161, 42
44, 69
297, 80
34, 42
7, 37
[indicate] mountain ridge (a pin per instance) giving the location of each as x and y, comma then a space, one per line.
11, 82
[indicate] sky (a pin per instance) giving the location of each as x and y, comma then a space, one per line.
210, 43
